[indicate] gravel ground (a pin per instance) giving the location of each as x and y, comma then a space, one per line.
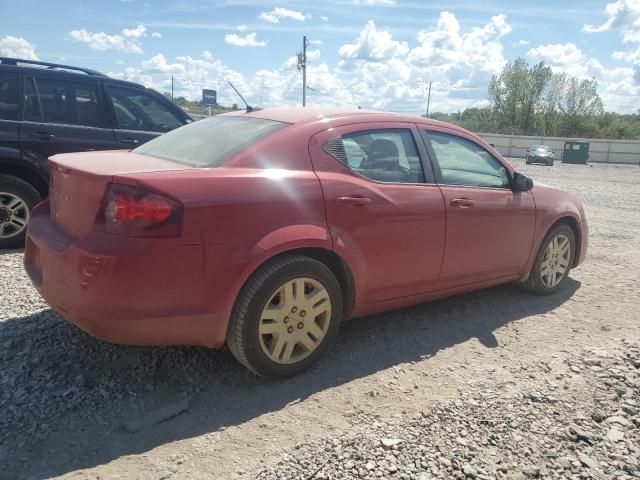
492, 384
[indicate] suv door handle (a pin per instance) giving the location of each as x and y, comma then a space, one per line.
42, 135
130, 141
355, 200
461, 202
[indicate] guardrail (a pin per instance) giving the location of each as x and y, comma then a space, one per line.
600, 150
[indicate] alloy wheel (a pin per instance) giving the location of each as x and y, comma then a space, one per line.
294, 321
555, 263
14, 215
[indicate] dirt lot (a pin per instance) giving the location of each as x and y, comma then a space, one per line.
493, 384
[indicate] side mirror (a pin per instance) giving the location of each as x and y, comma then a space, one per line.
522, 183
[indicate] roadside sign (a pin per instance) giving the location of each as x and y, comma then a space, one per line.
209, 97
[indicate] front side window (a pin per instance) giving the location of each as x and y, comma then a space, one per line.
381, 155
66, 102
8, 96
137, 109
463, 162
209, 142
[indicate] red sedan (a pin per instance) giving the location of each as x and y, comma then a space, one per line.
265, 230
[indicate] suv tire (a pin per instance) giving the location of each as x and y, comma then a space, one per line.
17, 199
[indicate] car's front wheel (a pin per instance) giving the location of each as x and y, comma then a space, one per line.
285, 317
553, 262
17, 199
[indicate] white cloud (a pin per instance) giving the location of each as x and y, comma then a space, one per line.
158, 64
521, 43
17, 47
324, 18
279, 13
372, 45
621, 13
249, 40
242, 28
315, 42
561, 55
374, 2
127, 41
156, 35
446, 47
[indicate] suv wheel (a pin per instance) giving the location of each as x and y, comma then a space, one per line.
17, 199
286, 317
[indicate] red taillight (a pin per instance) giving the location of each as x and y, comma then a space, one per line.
137, 212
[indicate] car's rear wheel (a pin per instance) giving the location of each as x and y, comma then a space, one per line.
17, 199
286, 317
553, 262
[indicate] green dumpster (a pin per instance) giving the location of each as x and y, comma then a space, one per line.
575, 152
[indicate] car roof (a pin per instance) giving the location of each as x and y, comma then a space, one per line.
67, 71
300, 115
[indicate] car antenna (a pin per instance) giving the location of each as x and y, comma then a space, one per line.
249, 107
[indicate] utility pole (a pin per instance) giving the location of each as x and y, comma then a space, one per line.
302, 65
429, 99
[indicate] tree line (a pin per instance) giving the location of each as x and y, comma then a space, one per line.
532, 100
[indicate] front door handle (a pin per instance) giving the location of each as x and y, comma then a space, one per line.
461, 202
130, 141
355, 200
42, 135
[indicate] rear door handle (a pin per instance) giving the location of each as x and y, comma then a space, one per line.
130, 141
42, 135
461, 202
355, 200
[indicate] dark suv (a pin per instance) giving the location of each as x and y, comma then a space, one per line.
46, 109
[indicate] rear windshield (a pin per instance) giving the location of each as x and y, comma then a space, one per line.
209, 142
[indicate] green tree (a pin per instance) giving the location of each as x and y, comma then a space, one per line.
515, 94
579, 103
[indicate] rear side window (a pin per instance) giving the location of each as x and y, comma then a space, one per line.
52, 100
210, 142
137, 109
8, 96
387, 156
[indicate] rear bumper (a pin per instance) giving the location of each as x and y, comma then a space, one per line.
129, 290
535, 159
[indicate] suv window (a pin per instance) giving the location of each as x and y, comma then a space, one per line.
8, 96
139, 110
381, 155
53, 100
463, 162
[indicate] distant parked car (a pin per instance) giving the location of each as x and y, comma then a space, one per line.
265, 230
47, 109
540, 154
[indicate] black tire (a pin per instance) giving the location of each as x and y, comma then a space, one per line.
534, 284
18, 188
242, 335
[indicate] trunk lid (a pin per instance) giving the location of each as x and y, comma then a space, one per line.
78, 181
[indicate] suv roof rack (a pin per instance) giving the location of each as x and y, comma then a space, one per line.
52, 66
